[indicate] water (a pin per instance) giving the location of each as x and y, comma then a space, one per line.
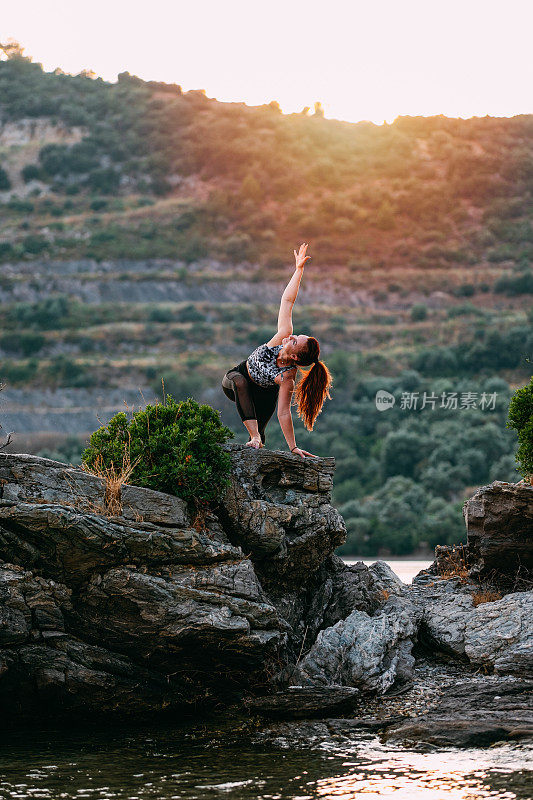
170, 763
404, 568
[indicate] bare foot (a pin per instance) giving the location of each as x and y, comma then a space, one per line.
255, 442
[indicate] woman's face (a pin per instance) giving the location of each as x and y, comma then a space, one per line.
293, 345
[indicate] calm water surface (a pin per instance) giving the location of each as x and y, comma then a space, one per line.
170, 763
404, 569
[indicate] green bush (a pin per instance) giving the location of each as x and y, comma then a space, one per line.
48, 314
239, 247
18, 372
5, 183
182, 384
162, 314
34, 244
99, 203
514, 285
62, 371
419, 312
6, 250
521, 420
463, 310
105, 180
190, 313
24, 206
194, 249
31, 172
464, 290
26, 344
174, 447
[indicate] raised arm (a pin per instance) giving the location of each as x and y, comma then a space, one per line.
288, 298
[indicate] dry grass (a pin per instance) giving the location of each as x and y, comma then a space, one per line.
199, 522
453, 564
114, 478
485, 596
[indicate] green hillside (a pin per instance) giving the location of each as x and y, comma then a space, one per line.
246, 182
147, 232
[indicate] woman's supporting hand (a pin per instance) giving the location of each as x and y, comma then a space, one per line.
300, 256
299, 452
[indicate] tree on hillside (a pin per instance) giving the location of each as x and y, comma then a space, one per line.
5, 183
12, 49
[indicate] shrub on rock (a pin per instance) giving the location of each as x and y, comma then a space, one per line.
174, 447
521, 419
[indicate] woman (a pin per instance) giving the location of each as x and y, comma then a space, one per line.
268, 375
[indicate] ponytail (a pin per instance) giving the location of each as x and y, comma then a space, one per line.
311, 391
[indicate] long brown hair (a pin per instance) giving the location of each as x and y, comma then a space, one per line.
311, 391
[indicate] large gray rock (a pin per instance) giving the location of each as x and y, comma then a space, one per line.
499, 541
44, 669
143, 611
496, 635
34, 479
278, 508
499, 526
181, 618
370, 653
330, 595
500, 635
444, 607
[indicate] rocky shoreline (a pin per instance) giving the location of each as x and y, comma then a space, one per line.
149, 612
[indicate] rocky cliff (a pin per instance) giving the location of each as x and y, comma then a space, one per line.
144, 611
148, 611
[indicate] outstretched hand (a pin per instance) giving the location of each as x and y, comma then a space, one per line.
299, 452
300, 256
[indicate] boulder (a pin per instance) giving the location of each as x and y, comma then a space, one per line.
496, 635
278, 508
367, 652
499, 526
499, 635
330, 595
34, 479
69, 545
299, 702
473, 713
44, 669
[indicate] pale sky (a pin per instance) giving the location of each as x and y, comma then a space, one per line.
362, 59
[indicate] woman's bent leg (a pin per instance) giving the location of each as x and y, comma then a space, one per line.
237, 383
237, 388
265, 404
227, 388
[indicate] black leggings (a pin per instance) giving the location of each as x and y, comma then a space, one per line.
252, 401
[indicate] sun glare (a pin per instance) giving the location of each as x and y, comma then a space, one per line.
360, 60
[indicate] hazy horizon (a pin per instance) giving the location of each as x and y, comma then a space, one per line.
360, 63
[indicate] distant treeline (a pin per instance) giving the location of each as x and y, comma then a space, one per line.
362, 194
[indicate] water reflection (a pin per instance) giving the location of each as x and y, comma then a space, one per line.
503, 771
172, 763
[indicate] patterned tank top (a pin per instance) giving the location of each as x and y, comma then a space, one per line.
262, 365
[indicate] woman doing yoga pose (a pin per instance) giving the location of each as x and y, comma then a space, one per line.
268, 375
